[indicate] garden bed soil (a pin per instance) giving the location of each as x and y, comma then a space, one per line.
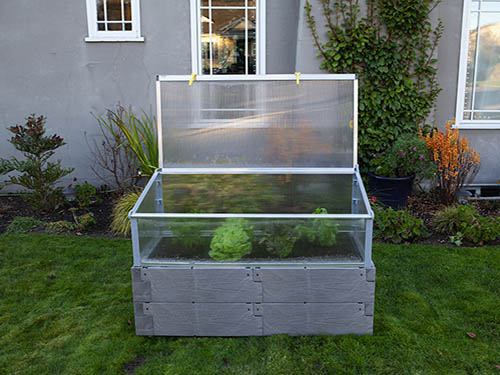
14, 205
343, 251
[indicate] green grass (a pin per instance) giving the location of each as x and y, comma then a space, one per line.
77, 323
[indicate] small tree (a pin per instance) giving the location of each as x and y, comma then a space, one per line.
36, 173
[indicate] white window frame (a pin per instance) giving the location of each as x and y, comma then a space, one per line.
196, 38
95, 35
464, 50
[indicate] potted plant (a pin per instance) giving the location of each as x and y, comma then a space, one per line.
396, 169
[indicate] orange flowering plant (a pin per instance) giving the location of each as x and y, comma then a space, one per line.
456, 161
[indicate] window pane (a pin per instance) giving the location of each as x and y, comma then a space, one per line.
228, 3
114, 8
115, 26
471, 60
205, 39
101, 26
228, 41
100, 10
127, 10
252, 42
128, 26
487, 88
474, 5
491, 5
486, 116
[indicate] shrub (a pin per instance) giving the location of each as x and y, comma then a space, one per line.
232, 240
86, 195
397, 226
120, 223
391, 47
36, 173
139, 134
409, 156
23, 224
113, 164
466, 220
59, 226
457, 163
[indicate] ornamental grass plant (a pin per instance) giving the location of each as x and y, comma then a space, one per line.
456, 161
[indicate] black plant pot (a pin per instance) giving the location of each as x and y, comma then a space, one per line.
391, 191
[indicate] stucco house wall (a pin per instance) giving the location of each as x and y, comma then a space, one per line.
47, 68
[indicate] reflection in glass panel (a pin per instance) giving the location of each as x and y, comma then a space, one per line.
487, 85
127, 10
252, 42
491, 5
115, 26
205, 41
100, 10
471, 60
486, 115
228, 41
228, 3
114, 9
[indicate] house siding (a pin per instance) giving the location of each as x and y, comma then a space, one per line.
47, 68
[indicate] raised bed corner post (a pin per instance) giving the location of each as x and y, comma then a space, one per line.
135, 241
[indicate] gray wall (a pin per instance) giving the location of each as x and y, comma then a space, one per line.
47, 68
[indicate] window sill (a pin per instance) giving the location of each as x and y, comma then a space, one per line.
90, 39
493, 125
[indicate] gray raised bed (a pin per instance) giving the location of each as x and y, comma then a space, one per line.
224, 235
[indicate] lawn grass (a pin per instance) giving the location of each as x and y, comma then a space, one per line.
65, 306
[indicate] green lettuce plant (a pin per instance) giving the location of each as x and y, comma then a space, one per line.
322, 232
232, 240
279, 239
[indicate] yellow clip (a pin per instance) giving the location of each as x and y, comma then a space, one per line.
193, 77
350, 123
297, 74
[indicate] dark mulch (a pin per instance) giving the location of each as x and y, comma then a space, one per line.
426, 205
14, 205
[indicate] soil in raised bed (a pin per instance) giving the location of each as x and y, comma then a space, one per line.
344, 250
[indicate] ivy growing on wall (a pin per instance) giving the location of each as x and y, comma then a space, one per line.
391, 46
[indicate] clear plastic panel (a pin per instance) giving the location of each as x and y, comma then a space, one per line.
252, 193
267, 124
286, 241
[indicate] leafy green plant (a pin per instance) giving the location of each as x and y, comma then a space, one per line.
120, 223
187, 232
391, 47
23, 224
59, 226
408, 156
86, 194
36, 173
278, 239
467, 220
232, 240
397, 226
457, 239
322, 232
84, 221
139, 134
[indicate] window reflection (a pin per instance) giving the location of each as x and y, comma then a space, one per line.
228, 41
482, 96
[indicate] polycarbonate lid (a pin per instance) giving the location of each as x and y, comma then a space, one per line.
258, 121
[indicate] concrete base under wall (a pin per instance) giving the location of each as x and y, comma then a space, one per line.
253, 301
